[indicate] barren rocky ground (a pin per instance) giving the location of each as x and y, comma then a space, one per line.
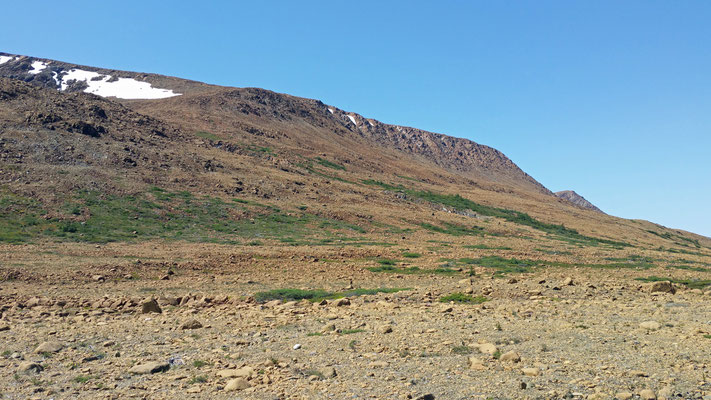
80, 322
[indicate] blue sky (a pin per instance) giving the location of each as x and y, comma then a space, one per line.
609, 98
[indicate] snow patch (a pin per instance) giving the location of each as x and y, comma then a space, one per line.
55, 76
4, 59
37, 67
371, 123
352, 119
329, 110
122, 88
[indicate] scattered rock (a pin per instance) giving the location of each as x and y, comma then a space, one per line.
428, 396
329, 372
378, 364
647, 394
150, 306
4, 327
650, 325
244, 372
48, 347
237, 384
510, 356
624, 396
661, 287
98, 278
342, 302
29, 366
297, 346
476, 364
531, 371
386, 329
568, 281
149, 368
487, 348
192, 324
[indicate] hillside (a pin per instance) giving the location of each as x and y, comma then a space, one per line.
278, 222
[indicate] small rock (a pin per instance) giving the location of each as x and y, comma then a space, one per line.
342, 302
568, 281
661, 287
487, 348
624, 396
237, 384
98, 278
646, 394
510, 356
150, 306
386, 329
378, 364
650, 325
244, 372
192, 324
297, 346
29, 366
598, 396
476, 364
329, 372
427, 396
531, 371
149, 368
4, 327
48, 347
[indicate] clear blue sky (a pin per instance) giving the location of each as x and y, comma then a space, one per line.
609, 98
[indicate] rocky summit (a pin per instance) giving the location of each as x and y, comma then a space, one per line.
168, 239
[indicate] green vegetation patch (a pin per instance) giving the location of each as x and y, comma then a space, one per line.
463, 298
460, 203
317, 294
412, 270
91, 216
330, 164
485, 247
208, 136
449, 228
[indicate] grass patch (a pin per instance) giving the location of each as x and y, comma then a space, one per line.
463, 298
330, 164
314, 334
412, 270
351, 331
199, 363
208, 136
82, 378
198, 379
690, 283
95, 217
462, 204
485, 247
449, 228
317, 294
408, 254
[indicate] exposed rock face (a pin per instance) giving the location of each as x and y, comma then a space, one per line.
577, 199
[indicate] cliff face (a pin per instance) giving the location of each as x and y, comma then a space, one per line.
577, 199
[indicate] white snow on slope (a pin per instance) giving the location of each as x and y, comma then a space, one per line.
123, 88
329, 110
4, 59
37, 67
352, 119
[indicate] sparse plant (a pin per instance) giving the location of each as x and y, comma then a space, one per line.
463, 298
